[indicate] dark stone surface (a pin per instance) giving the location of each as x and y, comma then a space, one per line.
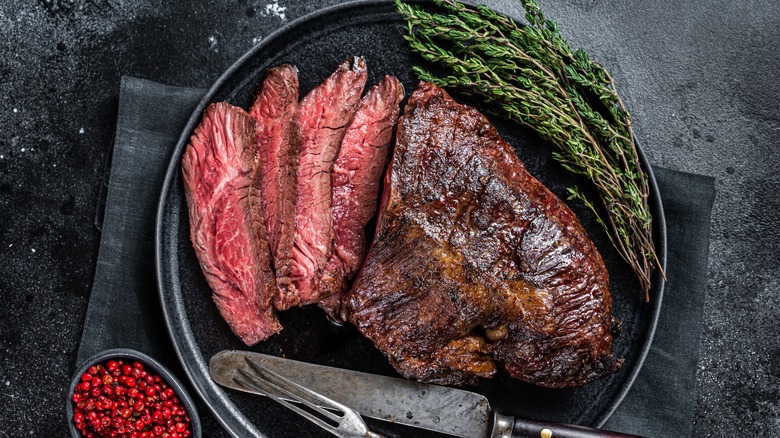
699, 77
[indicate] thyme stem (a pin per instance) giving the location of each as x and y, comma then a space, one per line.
531, 75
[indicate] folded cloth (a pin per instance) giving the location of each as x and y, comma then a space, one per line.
661, 400
124, 308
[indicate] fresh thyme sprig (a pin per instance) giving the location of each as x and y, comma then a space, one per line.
531, 75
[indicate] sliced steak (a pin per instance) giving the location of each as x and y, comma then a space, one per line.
357, 176
475, 264
323, 116
226, 223
275, 109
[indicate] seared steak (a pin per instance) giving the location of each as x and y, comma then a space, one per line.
275, 109
323, 116
476, 265
357, 175
226, 222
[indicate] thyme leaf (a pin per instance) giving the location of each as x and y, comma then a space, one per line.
530, 75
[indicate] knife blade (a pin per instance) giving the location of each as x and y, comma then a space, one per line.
441, 409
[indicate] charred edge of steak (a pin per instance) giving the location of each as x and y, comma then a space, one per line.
470, 247
275, 109
226, 228
323, 116
357, 175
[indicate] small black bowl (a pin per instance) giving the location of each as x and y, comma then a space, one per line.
130, 356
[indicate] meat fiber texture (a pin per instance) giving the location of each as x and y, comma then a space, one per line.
323, 117
276, 111
279, 198
226, 223
357, 176
477, 266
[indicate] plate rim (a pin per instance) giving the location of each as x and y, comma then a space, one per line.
656, 205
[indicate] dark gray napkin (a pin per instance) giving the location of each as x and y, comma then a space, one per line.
660, 402
124, 308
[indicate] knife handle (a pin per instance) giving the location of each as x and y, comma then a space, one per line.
509, 427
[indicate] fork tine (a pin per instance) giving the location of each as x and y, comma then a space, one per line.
276, 387
350, 423
290, 385
306, 414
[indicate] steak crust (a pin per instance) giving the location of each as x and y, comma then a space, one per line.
226, 220
477, 266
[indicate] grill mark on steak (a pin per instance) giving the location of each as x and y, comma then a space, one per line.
226, 224
357, 174
275, 109
518, 285
323, 116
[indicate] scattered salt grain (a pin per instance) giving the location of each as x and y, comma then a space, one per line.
81, 130
256, 40
16, 110
33, 249
275, 9
23, 149
213, 43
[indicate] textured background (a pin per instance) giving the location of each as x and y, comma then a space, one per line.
700, 78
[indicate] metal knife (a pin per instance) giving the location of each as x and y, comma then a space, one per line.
438, 408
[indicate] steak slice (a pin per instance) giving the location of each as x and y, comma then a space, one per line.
475, 264
226, 223
276, 139
323, 116
357, 175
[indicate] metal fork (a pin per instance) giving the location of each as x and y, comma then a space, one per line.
343, 421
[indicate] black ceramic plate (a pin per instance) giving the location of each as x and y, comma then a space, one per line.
317, 44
